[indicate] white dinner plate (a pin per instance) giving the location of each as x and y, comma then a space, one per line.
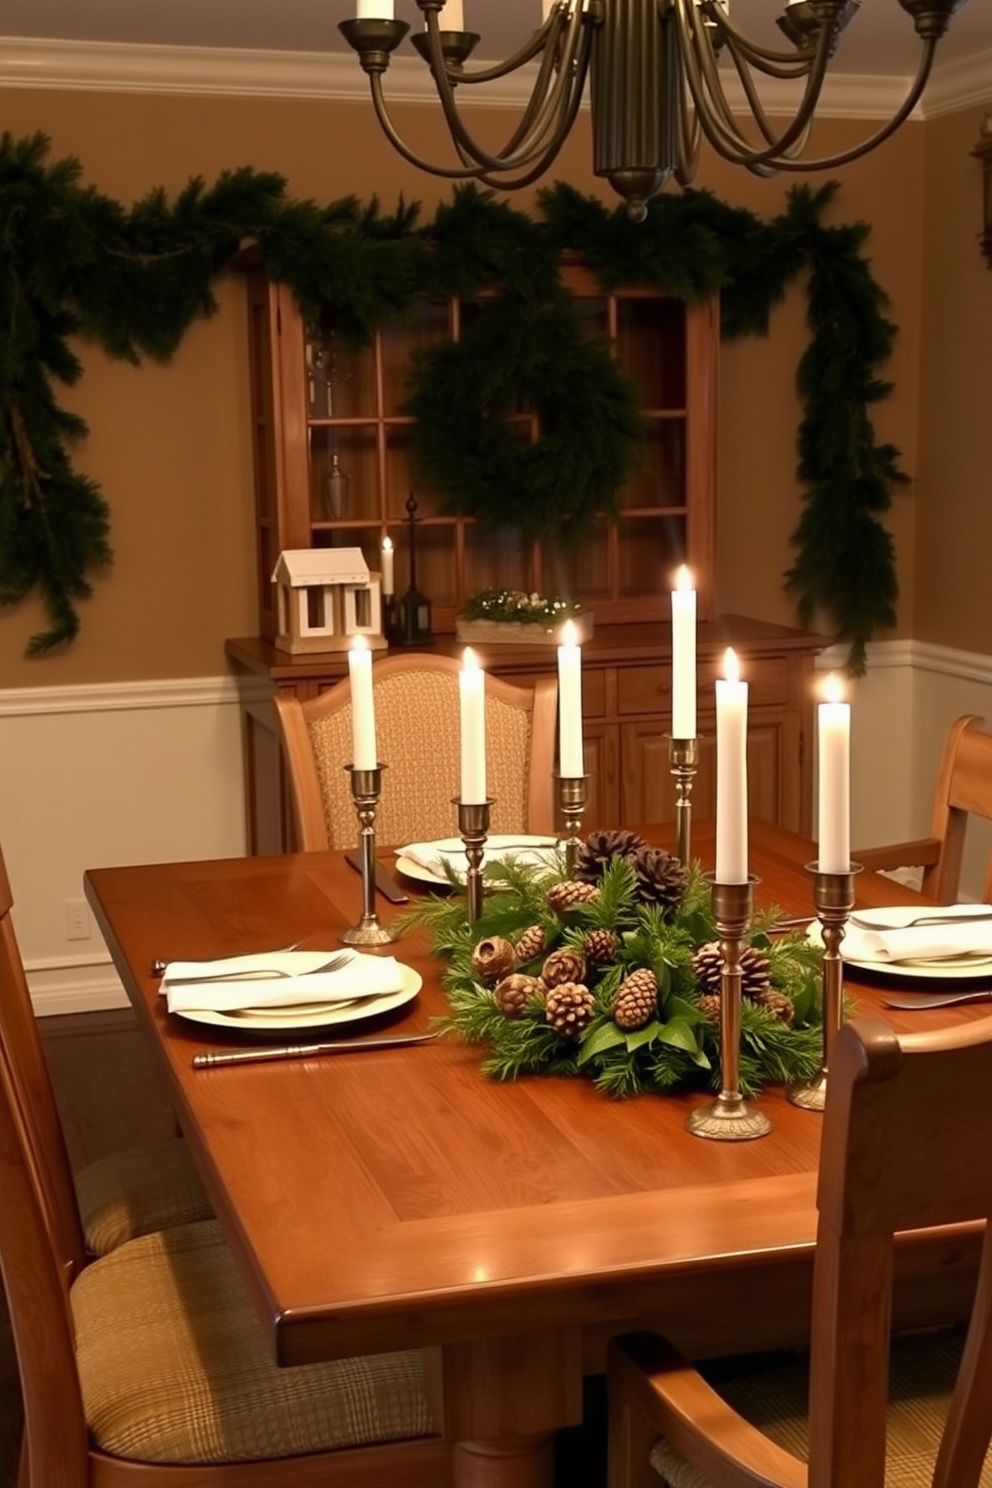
496, 847
310, 1015
952, 969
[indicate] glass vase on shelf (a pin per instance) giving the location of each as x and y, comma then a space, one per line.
334, 491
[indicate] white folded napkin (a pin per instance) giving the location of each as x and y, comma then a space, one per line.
253, 985
436, 857
941, 939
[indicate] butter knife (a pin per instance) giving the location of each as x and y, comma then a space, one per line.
215, 1057
385, 883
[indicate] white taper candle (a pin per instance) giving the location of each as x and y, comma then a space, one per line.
363, 746
834, 737
731, 774
472, 698
571, 760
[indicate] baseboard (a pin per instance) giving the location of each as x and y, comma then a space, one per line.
84, 985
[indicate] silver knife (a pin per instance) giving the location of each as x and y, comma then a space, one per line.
305, 1051
385, 883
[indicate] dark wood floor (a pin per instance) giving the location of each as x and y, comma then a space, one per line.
110, 1095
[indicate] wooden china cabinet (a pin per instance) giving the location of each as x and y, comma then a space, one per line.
332, 462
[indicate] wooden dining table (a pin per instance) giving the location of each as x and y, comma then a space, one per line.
398, 1198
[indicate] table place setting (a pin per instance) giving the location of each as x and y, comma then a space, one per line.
289, 989
947, 941
443, 862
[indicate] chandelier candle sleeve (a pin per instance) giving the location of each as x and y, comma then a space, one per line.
375, 10
472, 695
834, 729
363, 747
571, 760
731, 774
451, 17
683, 656
387, 567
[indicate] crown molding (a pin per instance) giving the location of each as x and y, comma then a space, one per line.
214, 71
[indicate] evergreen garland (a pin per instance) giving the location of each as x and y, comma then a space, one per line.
75, 263
678, 1045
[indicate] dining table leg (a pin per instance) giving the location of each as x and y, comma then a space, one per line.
515, 1462
499, 1401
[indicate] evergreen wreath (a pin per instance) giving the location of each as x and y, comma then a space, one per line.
617, 980
74, 263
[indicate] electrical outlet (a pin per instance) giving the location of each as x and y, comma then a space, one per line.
77, 919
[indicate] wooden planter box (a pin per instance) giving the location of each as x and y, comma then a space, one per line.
520, 632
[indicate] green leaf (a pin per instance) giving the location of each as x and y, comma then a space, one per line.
599, 1037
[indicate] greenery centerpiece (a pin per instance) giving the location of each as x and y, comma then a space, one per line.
614, 974
495, 614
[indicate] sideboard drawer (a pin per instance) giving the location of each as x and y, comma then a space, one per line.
648, 689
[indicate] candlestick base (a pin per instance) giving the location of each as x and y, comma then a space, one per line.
833, 895
572, 793
730, 1118
683, 758
366, 787
473, 825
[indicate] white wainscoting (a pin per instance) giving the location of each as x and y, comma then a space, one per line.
152, 772
100, 775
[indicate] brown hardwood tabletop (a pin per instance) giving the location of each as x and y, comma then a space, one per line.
398, 1198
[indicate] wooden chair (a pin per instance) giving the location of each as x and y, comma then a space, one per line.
963, 789
418, 736
906, 1143
125, 1194
148, 1366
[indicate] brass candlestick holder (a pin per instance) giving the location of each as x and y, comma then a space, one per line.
730, 1118
833, 895
683, 758
473, 825
366, 787
573, 793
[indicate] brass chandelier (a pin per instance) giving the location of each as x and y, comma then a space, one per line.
654, 85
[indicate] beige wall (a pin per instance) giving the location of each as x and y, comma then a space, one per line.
169, 446
954, 520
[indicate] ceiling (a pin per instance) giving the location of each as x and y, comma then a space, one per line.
880, 40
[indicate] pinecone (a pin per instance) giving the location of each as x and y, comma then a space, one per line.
636, 1000
531, 943
709, 1004
493, 959
569, 1008
707, 964
776, 1002
562, 896
564, 965
600, 848
514, 992
660, 878
601, 947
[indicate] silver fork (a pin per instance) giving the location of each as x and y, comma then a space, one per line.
923, 919
158, 965
265, 973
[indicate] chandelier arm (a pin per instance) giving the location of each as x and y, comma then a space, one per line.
544, 39
716, 118
689, 138
789, 63
831, 162
451, 173
485, 161
561, 102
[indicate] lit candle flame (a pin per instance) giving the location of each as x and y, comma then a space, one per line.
731, 665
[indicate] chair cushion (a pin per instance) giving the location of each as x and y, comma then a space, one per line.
923, 1369
175, 1368
137, 1191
